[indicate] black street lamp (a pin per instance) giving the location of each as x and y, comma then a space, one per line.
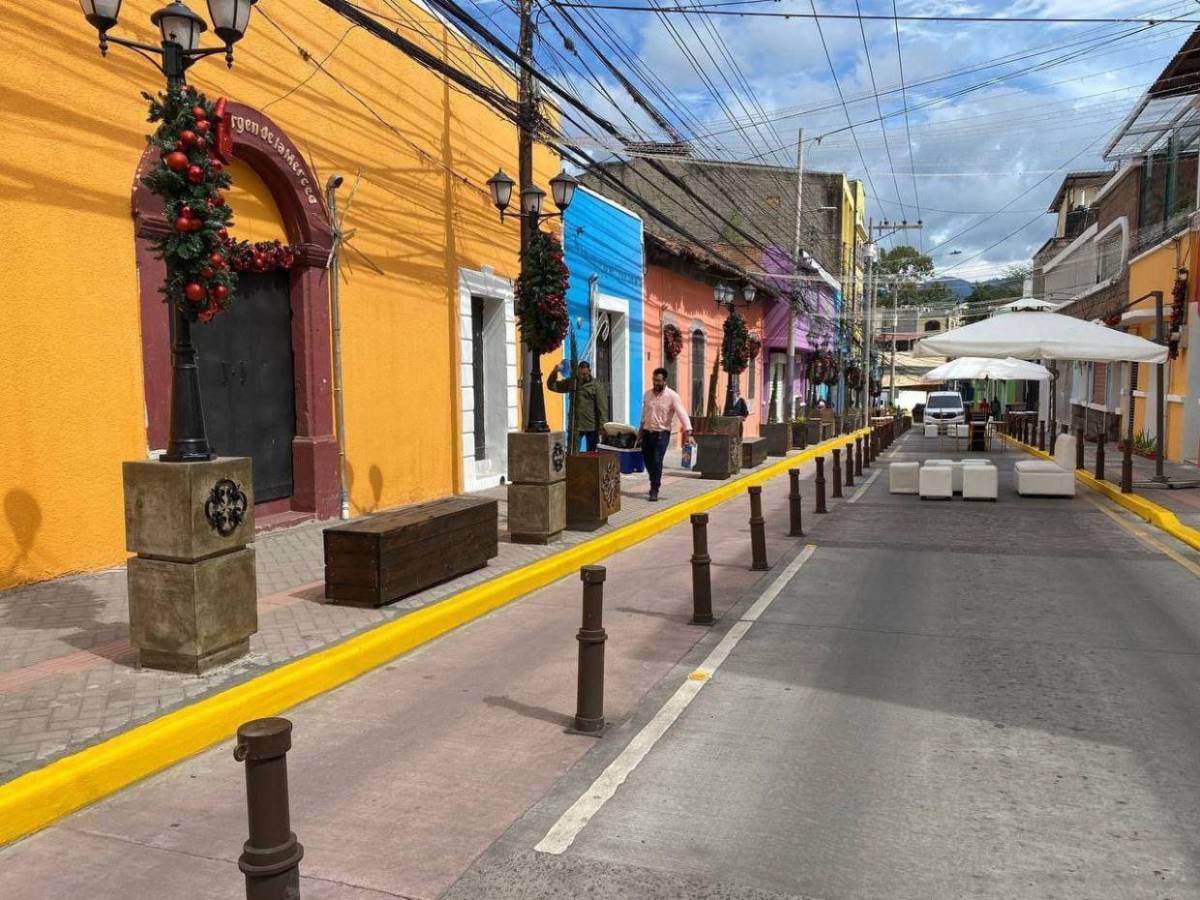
562, 189
726, 297
180, 48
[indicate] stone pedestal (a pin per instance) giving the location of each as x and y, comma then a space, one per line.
192, 590
537, 490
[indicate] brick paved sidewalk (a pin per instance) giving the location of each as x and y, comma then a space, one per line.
1184, 502
68, 676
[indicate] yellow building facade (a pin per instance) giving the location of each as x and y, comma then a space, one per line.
429, 270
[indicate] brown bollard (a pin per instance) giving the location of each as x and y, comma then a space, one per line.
850, 464
1127, 468
858, 460
271, 856
1079, 464
1099, 457
1042, 436
589, 706
836, 493
758, 530
819, 485
795, 513
702, 613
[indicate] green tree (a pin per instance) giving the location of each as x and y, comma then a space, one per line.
905, 275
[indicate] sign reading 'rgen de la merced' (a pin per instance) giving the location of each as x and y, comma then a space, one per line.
247, 124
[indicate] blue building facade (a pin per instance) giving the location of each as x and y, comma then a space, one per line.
603, 250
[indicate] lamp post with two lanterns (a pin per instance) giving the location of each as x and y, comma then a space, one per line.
562, 189
178, 50
726, 297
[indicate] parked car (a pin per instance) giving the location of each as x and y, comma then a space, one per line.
945, 408
918, 413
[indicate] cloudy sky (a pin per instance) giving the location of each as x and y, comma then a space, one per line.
996, 112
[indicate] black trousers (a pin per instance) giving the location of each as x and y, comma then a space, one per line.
654, 448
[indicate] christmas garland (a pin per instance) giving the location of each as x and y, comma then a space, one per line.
754, 345
264, 256
541, 295
672, 341
735, 346
1178, 310
192, 185
854, 377
822, 369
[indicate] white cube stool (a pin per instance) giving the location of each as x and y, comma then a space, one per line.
931, 430
935, 483
955, 468
979, 483
902, 477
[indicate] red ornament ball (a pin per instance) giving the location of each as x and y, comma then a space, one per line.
195, 224
218, 292
217, 260
195, 174
218, 199
187, 138
186, 212
202, 126
194, 292
206, 273
223, 233
199, 112
176, 161
182, 224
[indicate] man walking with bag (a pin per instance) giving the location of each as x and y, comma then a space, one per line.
660, 406
592, 399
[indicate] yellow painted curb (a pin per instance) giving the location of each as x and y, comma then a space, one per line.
38, 798
1156, 515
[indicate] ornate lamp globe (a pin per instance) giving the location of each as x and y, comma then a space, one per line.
562, 189
501, 187
179, 25
531, 201
748, 293
230, 18
102, 14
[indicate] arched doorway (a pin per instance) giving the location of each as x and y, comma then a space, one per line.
266, 370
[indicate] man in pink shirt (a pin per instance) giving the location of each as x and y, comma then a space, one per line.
659, 406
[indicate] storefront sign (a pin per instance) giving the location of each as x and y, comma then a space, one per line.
246, 125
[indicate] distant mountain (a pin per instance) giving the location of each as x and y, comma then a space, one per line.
957, 286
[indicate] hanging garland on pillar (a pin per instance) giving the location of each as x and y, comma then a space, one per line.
754, 346
263, 256
735, 346
541, 295
191, 182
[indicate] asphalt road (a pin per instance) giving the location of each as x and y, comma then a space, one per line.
946, 700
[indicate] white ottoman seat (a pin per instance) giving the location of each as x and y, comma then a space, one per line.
931, 430
903, 478
1049, 478
935, 483
980, 483
955, 468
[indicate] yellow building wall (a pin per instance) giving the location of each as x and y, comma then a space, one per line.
70, 343
1156, 272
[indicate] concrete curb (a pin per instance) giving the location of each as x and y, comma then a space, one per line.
39, 798
1156, 515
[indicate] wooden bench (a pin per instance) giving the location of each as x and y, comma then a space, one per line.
754, 451
385, 557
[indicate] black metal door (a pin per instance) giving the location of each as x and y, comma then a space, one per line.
604, 365
477, 377
248, 381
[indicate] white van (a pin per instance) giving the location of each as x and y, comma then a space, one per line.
945, 408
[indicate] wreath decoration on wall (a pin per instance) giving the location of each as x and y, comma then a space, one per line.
191, 182
672, 341
735, 345
541, 294
754, 345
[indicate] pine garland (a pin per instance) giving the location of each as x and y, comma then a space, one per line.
735, 346
192, 184
541, 295
672, 341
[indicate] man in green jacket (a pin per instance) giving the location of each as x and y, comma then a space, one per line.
592, 399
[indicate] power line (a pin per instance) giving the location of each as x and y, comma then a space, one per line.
907, 129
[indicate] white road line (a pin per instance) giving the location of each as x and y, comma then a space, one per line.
567, 828
866, 484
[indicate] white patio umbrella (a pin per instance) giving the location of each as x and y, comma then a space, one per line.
1042, 335
972, 368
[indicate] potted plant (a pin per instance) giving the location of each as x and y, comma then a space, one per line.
719, 444
593, 479
778, 434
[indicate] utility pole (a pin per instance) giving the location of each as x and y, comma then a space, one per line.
872, 253
526, 111
789, 393
892, 228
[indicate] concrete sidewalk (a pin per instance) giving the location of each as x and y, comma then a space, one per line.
1184, 502
401, 778
68, 677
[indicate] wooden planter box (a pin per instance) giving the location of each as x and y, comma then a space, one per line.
385, 557
593, 489
718, 455
814, 431
778, 437
799, 435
